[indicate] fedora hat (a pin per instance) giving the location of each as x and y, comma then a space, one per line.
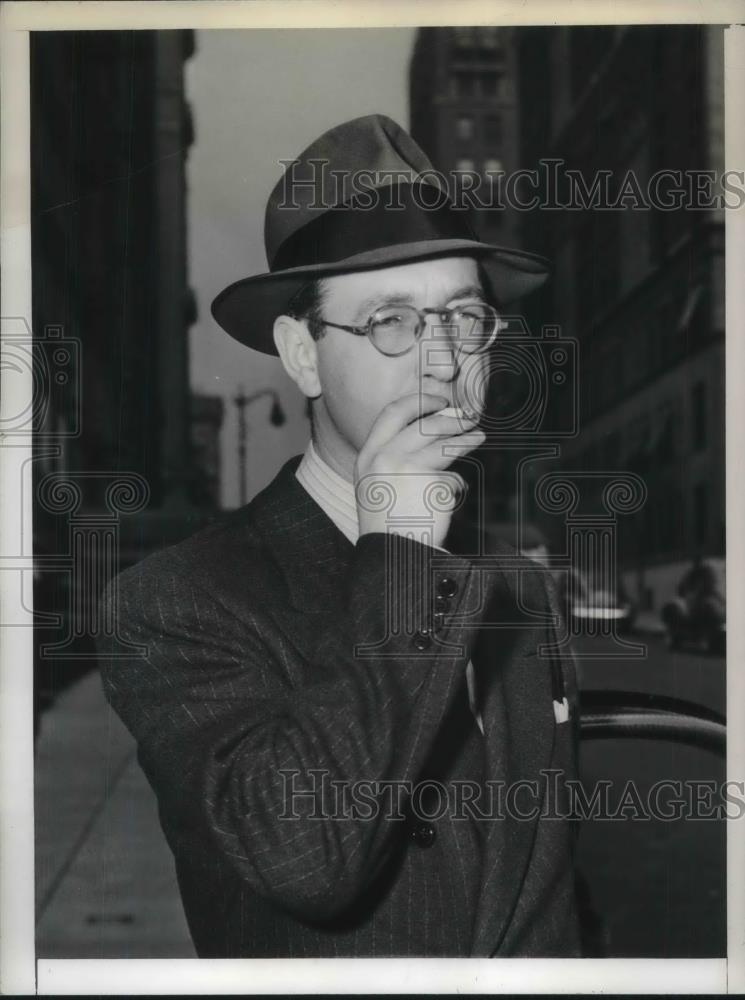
362, 196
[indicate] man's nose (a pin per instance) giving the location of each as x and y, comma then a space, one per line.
438, 347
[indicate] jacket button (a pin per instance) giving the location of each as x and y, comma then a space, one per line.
438, 621
447, 587
423, 834
421, 639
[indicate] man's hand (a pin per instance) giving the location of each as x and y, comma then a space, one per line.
400, 480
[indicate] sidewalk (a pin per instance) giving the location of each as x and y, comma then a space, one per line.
105, 878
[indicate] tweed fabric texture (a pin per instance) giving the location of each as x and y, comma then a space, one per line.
274, 653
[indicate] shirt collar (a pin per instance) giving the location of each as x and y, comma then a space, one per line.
333, 494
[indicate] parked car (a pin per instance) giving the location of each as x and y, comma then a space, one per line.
588, 600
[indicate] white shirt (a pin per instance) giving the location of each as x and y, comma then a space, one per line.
335, 496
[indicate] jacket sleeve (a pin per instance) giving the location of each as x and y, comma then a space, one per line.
226, 735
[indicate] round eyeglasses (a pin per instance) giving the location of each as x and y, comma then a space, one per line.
395, 330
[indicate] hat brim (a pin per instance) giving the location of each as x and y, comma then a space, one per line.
247, 308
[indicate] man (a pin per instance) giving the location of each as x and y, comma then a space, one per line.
698, 611
698, 585
331, 679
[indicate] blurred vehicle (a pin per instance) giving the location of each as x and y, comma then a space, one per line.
698, 614
588, 600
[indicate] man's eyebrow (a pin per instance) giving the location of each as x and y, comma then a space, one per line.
467, 292
381, 299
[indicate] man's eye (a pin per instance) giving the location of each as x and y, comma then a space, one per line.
469, 309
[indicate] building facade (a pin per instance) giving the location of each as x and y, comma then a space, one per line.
464, 115
112, 306
111, 132
641, 288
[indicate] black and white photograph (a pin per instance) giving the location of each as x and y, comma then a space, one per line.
365, 471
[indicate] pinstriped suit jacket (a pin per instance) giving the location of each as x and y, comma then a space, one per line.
279, 658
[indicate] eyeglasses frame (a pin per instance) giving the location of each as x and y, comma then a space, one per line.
445, 314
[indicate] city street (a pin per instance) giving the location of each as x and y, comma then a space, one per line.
105, 878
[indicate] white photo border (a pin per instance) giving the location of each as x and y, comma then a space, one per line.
19, 971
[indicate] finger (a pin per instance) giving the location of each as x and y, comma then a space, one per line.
436, 426
443, 452
463, 412
397, 415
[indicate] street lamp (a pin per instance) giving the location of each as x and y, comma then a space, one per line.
276, 417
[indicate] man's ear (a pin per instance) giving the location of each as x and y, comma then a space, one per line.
298, 353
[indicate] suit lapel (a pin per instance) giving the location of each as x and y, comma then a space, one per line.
305, 543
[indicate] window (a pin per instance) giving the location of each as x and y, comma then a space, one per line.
614, 370
608, 262
463, 37
648, 347
591, 458
700, 513
467, 83
611, 446
637, 438
667, 524
493, 166
698, 415
588, 46
464, 127
464, 84
597, 263
648, 534
480, 40
489, 85
665, 434
493, 130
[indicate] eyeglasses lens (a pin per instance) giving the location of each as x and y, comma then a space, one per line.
394, 331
